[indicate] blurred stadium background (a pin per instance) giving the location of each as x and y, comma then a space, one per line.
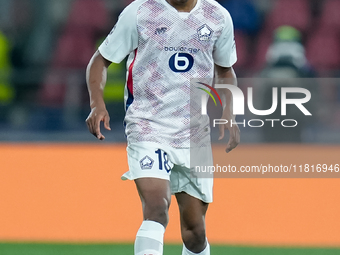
49, 190
46, 45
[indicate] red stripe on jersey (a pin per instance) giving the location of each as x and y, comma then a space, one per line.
130, 79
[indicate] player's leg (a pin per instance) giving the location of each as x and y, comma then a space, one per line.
155, 197
192, 216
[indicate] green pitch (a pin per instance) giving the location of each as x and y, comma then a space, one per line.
111, 249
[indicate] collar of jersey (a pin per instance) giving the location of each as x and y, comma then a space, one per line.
182, 13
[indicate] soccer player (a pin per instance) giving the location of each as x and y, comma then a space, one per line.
169, 42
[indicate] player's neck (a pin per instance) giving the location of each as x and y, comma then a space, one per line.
183, 5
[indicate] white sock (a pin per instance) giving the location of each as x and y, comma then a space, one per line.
149, 239
206, 251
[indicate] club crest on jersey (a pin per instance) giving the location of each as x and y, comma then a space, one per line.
146, 163
204, 33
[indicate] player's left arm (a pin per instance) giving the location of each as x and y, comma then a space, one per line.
228, 76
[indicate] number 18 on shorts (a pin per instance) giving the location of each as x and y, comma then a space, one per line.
146, 160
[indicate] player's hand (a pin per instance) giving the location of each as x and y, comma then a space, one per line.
97, 115
234, 136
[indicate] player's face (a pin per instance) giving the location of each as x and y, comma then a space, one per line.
180, 2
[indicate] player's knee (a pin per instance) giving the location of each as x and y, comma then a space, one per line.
194, 238
157, 210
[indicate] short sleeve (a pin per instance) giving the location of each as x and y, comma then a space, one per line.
225, 48
123, 39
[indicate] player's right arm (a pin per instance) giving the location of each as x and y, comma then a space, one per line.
96, 75
122, 40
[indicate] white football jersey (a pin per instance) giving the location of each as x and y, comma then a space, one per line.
166, 50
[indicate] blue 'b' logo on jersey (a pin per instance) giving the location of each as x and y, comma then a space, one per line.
181, 62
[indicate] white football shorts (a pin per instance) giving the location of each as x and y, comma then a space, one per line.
153, 160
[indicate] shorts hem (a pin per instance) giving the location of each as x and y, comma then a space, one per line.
129, 176
208, 201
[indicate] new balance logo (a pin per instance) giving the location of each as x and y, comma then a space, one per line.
161, 30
